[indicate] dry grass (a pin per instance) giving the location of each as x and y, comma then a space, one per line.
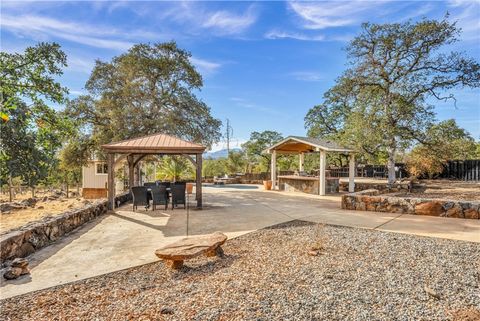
447, 189
20, 217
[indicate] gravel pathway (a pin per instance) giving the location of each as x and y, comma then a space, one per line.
270, 275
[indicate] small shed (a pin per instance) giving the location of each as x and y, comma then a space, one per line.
302, 145
94, 179
135, 149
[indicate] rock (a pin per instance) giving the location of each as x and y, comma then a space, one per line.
313, 253
455, 211
18, 267
30, 202
40, 207
190, 247
166, 311
471, 213
5, 207
431, 292
433, 208
20, 263
11, 273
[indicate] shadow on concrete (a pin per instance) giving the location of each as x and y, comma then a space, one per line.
48, 251
233, 186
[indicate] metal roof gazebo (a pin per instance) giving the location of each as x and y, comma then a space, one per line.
135, 149
301, 145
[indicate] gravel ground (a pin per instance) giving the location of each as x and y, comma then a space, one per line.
270, 275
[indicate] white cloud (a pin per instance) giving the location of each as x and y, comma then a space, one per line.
244, 103
42, 28
466, 13
274, 34
306, 75
39, 27
205, 66
328, 14
225, 22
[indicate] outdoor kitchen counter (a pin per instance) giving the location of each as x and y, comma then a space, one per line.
306, 184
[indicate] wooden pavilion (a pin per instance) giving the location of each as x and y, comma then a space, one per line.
301, 146
134, 150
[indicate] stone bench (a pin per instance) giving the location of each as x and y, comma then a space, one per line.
174, 254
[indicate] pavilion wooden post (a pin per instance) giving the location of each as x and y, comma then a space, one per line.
301, 160
111, 180
198, 187
351, 174
323, 160
273, 169
131, 171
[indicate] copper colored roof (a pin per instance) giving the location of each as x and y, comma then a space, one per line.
161, 143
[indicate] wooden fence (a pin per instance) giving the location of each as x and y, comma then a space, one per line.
467, 170
371, 171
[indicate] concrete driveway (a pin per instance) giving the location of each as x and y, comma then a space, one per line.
125, 238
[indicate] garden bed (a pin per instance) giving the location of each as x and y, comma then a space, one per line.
269, 275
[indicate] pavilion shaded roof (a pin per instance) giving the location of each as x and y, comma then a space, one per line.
160, 143
307, 144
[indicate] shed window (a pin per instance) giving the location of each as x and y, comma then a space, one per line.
102, 168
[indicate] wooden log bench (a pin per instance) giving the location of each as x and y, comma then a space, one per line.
174, 254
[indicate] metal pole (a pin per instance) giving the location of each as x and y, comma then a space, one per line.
188, 210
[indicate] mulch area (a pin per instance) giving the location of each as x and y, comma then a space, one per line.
270, 275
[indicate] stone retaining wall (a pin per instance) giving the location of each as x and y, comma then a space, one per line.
380, 186
35, 235
371, 200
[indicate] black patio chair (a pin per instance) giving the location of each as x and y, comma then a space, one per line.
178, 195
166, 184
139, 195
150, 184
159, 196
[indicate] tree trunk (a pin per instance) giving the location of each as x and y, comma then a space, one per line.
391, 165
33, 191
66, 188
10, 191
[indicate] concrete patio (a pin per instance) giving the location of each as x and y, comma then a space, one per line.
124, 239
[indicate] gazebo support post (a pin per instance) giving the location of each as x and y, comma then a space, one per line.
351, 174
198, 188
273, 169
131, 171
301, 160
111, 180
323, 160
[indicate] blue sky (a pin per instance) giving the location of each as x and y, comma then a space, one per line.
265, 64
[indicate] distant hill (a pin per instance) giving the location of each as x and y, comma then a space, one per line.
219, 153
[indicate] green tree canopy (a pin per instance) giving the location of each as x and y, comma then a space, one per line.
380, 104
147, 90
258, 142
32, 132
445, 141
